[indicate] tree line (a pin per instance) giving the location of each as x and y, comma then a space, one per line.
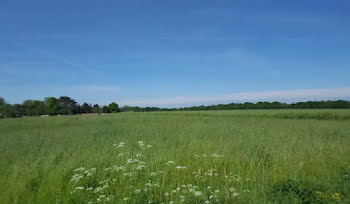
243, 106
65, 105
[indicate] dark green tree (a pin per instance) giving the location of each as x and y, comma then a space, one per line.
67, 106
96, 109
113, 107
52, 105
86, 108
2, 102
34, 107
105, 109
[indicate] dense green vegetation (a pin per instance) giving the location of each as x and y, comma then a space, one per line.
245, 106
240, 156
64, 105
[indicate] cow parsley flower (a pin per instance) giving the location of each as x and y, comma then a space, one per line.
79, 169
76, 177
170, 162
197, 193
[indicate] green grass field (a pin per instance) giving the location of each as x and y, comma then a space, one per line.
269, 156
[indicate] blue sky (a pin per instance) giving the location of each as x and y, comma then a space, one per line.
175, 53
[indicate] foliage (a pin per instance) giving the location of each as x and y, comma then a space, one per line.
113, 107
65, 105
86, 108
105, 109
340, 104
52, 105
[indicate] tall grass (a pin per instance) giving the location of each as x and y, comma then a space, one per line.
230, 159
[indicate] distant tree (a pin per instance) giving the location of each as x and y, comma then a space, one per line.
113, 107
34, 107
19, 110
52, 105
96, 109
86, 108
4, 109
105, 109
2, 102
67, 106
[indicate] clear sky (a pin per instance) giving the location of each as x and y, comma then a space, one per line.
175, 52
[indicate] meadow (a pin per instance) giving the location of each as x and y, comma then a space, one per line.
245, 156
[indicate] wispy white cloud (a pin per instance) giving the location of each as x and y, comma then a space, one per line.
279, 95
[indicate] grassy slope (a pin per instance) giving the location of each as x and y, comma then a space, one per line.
275, 159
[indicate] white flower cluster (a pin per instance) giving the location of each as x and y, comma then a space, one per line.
100, 185
121, 144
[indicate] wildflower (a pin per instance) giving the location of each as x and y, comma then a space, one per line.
79, 188
127, 198
235, 194
76, 177
232, 189
148, 184
217, 191
217, 155
98, 189
103, 182
166, 194
90, 189
182, 198
79, 169
139, 167
127, 174
149, 146
140, 143
207, 202
137, 191
102, 196
119, 168
181, 167
335, 195
170, 162
198, 193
